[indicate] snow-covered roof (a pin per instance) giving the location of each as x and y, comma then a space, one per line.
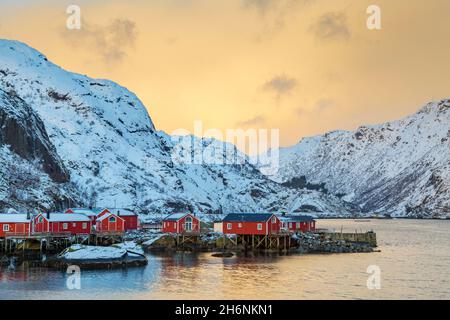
13, 217
105, 216
122, 212
64, 217
87, 211
175, 216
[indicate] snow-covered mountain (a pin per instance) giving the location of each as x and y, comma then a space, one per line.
112, 155
401, 168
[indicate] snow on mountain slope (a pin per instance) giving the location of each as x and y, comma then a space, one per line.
400, 167
107, 141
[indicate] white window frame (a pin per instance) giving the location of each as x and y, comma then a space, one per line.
84, 225
65, 226
112, 219
74, 224
298, 225
239, 225
229, 226
259, 227
274, 219
6, 227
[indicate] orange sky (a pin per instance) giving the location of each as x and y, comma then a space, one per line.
303, 66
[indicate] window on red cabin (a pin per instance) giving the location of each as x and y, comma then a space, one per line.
74, 224
84, 225
112, 219
274, 219
259, 226
229, 226
239, 225
290, 224
40, 219
6, 227
298, 225
65, 226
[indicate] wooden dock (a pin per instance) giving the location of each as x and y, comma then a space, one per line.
43, 242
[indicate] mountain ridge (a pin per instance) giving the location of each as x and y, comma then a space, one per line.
399, 167
115, 156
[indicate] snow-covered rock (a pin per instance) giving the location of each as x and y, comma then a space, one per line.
400, 168
82, 252
130, 246
116, 158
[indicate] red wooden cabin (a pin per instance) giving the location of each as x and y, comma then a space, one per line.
110, 222
251, 224
18, 224
130, 218
181, 223
298, 223
75, 223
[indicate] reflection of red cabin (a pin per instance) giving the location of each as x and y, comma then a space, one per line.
110, 222
17, 224
298, 223
251, 224
181, 223
74, 224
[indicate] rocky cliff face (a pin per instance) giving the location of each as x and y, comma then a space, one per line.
32, 176
116, 157
25, 134
401, 168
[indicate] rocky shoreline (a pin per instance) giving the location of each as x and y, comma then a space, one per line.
300, 243
132, 253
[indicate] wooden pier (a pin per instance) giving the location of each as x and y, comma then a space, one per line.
279, 241
185, 238
43, 242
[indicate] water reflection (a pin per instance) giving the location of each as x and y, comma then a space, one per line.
414, 262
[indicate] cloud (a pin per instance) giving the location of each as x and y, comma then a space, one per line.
274, 12
251, 122
110, 41
262, 6
281, 85
324, 104
265, 6
319, 106
331, 26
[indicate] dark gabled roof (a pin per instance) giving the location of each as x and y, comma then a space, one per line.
247, 217
296, 218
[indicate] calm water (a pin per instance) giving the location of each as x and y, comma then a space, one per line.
414, 262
